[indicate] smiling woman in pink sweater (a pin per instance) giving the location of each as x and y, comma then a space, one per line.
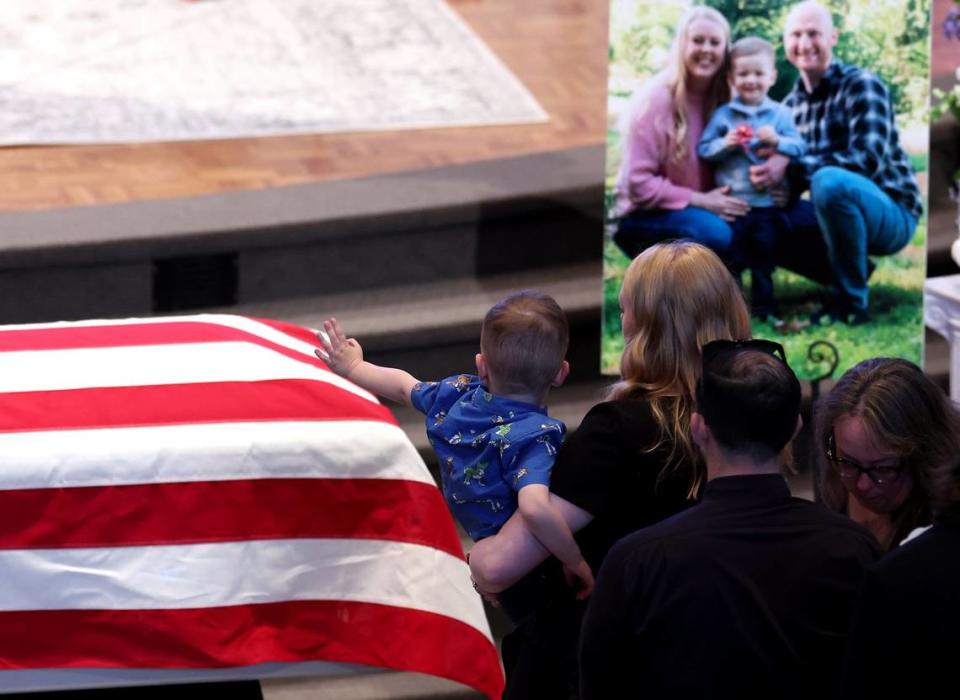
663, 190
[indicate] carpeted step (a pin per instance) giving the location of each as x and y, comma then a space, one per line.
432, 330
458, 222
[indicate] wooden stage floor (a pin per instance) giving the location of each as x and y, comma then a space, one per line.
558, 48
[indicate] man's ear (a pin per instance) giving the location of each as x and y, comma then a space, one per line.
562, 374
700, 431
481, 367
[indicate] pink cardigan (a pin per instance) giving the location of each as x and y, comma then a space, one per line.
647, 178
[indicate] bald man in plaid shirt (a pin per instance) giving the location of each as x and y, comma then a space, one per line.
863, 191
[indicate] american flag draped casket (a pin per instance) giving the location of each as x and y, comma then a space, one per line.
201, 492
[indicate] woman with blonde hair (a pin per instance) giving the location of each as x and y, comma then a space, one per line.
630, 463
663, 190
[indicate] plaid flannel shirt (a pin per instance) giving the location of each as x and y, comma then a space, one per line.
848, 121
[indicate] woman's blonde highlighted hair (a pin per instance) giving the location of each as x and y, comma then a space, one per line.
676, 78
680, 296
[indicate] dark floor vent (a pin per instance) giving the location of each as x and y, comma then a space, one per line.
194, 282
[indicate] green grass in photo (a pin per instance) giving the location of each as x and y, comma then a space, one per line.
896, 308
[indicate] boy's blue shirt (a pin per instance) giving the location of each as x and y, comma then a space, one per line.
732, 164
489, 448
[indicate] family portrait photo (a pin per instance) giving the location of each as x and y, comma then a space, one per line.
791, 138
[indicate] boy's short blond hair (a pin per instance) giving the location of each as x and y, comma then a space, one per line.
524, 341
751, 46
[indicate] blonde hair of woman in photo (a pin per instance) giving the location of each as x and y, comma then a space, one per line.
663, 190
684, 75
631, 462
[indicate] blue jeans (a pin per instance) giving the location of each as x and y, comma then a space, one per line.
640, 229
755, 236
857, 219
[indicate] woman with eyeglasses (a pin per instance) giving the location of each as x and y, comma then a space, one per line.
882, 427
908, 609
631, 463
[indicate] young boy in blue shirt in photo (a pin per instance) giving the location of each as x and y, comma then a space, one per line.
491, 432
733, 140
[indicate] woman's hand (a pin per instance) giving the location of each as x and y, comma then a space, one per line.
492, 598
499, 561
720, 203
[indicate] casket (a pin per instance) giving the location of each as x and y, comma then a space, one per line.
200, 497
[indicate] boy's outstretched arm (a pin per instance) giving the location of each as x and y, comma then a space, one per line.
345, 357
549, 526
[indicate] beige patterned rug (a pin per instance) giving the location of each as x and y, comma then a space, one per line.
104, 71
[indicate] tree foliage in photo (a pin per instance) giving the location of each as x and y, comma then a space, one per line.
888, 37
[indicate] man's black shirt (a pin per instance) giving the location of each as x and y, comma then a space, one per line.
748, 592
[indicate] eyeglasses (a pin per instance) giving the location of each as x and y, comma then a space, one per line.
715, 348
851, 470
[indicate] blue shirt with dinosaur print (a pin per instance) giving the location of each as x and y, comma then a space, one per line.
489, 448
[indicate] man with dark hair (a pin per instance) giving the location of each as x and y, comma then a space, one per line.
748, 592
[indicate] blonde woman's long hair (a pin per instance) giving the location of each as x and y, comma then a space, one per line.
675, 78
680, 296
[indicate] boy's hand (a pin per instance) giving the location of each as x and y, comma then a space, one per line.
744, 134
732, 139
342, 354
579, 577
768, 136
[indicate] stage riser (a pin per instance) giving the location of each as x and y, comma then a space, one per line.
75, 292
552, 236
462, 222
401, 257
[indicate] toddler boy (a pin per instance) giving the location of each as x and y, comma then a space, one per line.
734, 139
495, 442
